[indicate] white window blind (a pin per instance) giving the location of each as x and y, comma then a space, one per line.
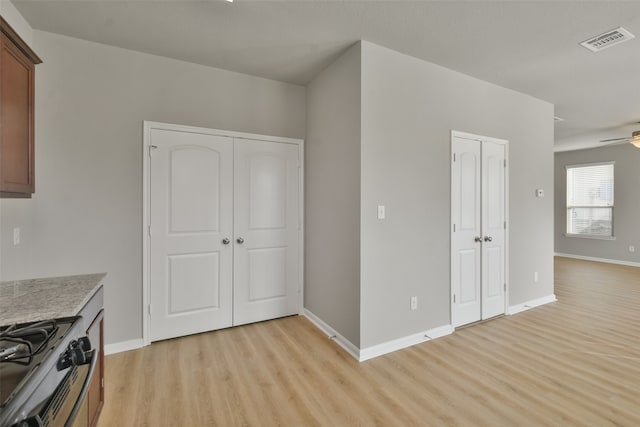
590, 200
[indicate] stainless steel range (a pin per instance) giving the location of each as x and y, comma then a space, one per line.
45, 369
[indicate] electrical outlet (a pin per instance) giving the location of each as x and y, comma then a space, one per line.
632, 248
16, 236
414, 303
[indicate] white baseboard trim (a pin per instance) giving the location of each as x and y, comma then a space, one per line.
377, 350
119, 347
441, 331
607, 260
347, 345
404, 342
513, 309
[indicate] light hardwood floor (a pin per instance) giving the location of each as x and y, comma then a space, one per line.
575, 362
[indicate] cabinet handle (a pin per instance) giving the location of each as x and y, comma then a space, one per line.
226, 241
488, 238
240, 240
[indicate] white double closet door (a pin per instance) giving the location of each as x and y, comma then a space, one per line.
478, 239
224, 231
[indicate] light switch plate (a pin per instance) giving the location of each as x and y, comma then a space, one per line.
381, 212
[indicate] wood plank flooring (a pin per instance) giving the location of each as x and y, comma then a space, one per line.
575, 362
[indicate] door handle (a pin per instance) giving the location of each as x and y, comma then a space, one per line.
240, 240
488, 238
478, 239
226, 241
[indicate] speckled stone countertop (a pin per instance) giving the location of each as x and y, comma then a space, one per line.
48, 298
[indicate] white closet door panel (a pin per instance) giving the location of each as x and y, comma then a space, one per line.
469, 193
493, 217
267, 192
193, 171
194, 282
267, 220
191, 205
466, 251
468, 294
267, 273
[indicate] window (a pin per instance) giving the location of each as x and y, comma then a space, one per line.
590, 200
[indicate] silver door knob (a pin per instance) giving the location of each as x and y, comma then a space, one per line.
240, 240
488, 238
478, 239
226, 241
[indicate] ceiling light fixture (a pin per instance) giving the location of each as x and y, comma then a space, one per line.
635, 138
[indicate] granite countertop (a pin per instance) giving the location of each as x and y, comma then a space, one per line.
48, 298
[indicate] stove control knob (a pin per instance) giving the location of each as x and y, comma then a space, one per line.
64, 361
73, 355
84, 343
77, 356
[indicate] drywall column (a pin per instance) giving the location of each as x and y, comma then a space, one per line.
332, 196
409, 106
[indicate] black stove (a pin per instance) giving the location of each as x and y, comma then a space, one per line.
36, 360
21, 344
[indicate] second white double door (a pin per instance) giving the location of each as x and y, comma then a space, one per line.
224, 238
478, 240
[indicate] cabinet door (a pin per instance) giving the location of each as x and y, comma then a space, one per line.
95, 394
16, 116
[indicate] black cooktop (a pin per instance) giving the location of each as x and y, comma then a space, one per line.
23, 348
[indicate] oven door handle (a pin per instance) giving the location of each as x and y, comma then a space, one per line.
85, 388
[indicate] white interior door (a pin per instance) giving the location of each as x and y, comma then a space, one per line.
478, 241
266, 230
466, 233
191, 213
493, 229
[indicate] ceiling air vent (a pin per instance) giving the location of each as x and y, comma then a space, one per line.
608, 39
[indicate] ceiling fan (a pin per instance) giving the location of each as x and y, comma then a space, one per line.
634, 139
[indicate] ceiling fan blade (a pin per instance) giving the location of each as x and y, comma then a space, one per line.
616, 140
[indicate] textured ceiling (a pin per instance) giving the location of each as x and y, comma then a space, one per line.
528, 46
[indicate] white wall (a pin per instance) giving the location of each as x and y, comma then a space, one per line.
626, 209
17, 21
86, 214
409, 107
332, 196
379, 137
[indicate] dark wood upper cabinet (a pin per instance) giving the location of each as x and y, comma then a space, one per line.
17, 75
